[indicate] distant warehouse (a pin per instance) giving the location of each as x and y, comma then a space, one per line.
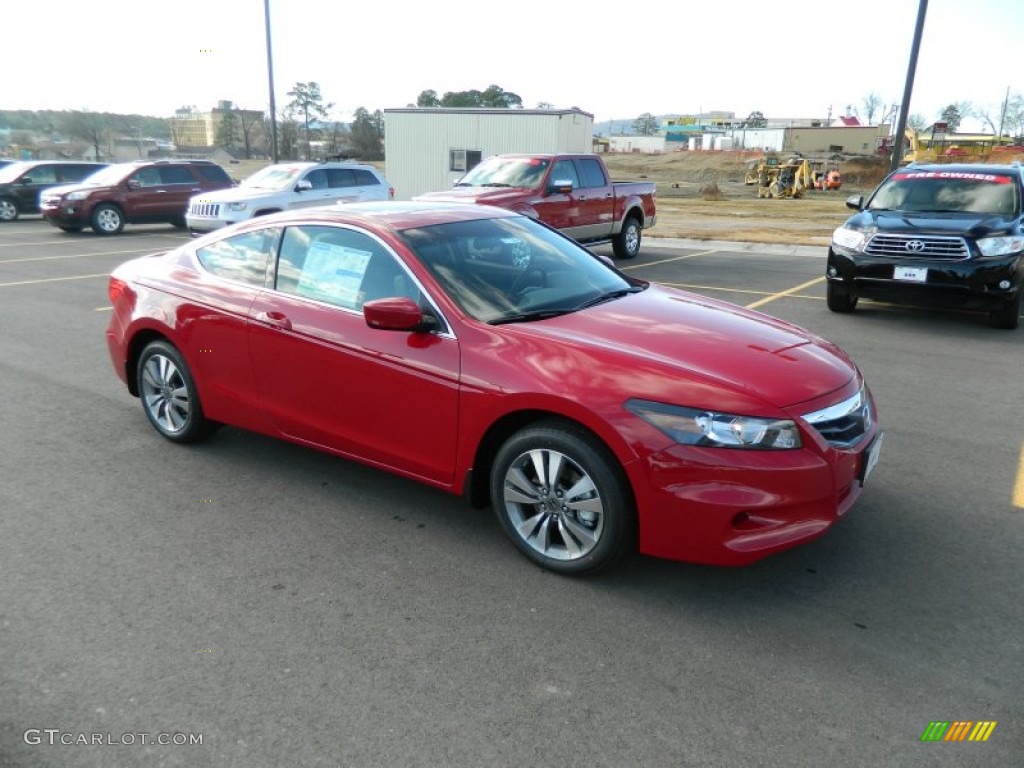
428, 149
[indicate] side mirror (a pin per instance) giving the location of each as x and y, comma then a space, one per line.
563, 186
856, 202
399, 313
302, 185
133, 184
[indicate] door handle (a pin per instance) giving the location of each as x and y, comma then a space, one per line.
609, 195
276, 319
582, 198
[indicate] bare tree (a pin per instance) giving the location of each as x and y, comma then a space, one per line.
248, 124
645, 125
91, 127
872, 104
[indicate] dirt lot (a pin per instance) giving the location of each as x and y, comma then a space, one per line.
740, 215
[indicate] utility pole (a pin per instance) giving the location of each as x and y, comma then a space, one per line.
1002, 115
901, 127
270, 76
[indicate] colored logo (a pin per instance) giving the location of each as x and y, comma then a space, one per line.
958, 730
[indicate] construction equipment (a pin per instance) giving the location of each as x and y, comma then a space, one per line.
778, 180
826, 175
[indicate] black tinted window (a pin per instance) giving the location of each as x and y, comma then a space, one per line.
213, 173
341, 177
243, 257
593, 176
365, 178
175, 174
76, 172
41, 174
317, 178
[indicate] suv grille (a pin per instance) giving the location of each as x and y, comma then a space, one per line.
844, 424
918, 246
204, 209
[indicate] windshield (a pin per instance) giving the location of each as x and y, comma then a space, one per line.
9, 173
109, 176
948, 192
525, 172
513, 269
274, 177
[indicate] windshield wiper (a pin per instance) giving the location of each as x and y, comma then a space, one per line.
494, 184
601, 298
526, 317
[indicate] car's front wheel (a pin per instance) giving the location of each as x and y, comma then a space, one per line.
626, 244
107, 219
8, 209
169, 396
839, 298
562, 498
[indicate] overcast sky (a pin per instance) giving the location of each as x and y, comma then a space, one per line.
785, 58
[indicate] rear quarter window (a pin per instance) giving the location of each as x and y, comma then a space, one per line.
243, 258
176, 174
365, 178
213, 173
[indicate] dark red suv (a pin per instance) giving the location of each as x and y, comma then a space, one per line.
132, 193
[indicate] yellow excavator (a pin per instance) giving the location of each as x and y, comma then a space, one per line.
776, 179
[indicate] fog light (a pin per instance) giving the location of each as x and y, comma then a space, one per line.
832, 272
1004, 285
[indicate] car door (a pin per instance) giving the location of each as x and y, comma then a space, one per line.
342, 182
178, 187
31, 184
326, 378
144, 193
596, 200
560, 209
318, 194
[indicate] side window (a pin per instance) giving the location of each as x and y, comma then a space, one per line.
41, 174
365, 178
593, 175
147, 177
176, 174
340, 267
242, 257
74, 172
318, 178
564, 170
211, 172
340, 177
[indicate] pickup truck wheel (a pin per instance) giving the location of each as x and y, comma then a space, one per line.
107, 219
626, 244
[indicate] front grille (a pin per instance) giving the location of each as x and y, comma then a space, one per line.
844, 424
917, 246
209, 210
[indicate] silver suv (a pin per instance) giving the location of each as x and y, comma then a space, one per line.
285, 186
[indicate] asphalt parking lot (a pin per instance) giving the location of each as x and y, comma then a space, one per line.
295, 609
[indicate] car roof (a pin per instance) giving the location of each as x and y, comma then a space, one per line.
395, 215
1006, 169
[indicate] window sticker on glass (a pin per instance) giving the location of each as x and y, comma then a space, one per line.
333, 273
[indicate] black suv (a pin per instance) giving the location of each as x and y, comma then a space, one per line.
22, 183
136, 193
935, 235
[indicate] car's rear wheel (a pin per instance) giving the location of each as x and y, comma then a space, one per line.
562, 498
839, 298
8, 209
107, 219
626, 244
1007, 317
169, 396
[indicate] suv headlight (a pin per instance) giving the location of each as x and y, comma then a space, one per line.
852, 239
1001, 246
80, 195
237, 206
693, 426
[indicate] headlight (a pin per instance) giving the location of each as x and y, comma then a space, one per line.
692, 426
77, 195
237, 206
1001, 246
852, 239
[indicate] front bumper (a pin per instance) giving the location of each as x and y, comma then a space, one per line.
970, 283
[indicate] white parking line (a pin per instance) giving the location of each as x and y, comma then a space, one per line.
53, 280
666, 261
66, 242
1018, 486
75, 256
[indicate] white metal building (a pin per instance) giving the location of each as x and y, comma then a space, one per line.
647, 145
429, 149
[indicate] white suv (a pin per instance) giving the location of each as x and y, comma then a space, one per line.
283, 187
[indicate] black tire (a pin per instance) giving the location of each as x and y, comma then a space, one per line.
838, 298
626, 244
178, 222
107, 219
1008, 317
169, 396
575, 536
8, 209
70, 229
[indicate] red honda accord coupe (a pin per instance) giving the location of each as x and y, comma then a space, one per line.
481, 352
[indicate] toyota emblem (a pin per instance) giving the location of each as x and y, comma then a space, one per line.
914, 246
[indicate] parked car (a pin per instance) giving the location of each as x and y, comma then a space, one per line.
572, 193
132, 193
22, 183
935, 235
284, 187
592, 409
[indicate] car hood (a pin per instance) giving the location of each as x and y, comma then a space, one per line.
236, 194
482, 195
933, 222
62, 190
675, 347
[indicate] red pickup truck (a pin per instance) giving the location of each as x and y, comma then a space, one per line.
572, 193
